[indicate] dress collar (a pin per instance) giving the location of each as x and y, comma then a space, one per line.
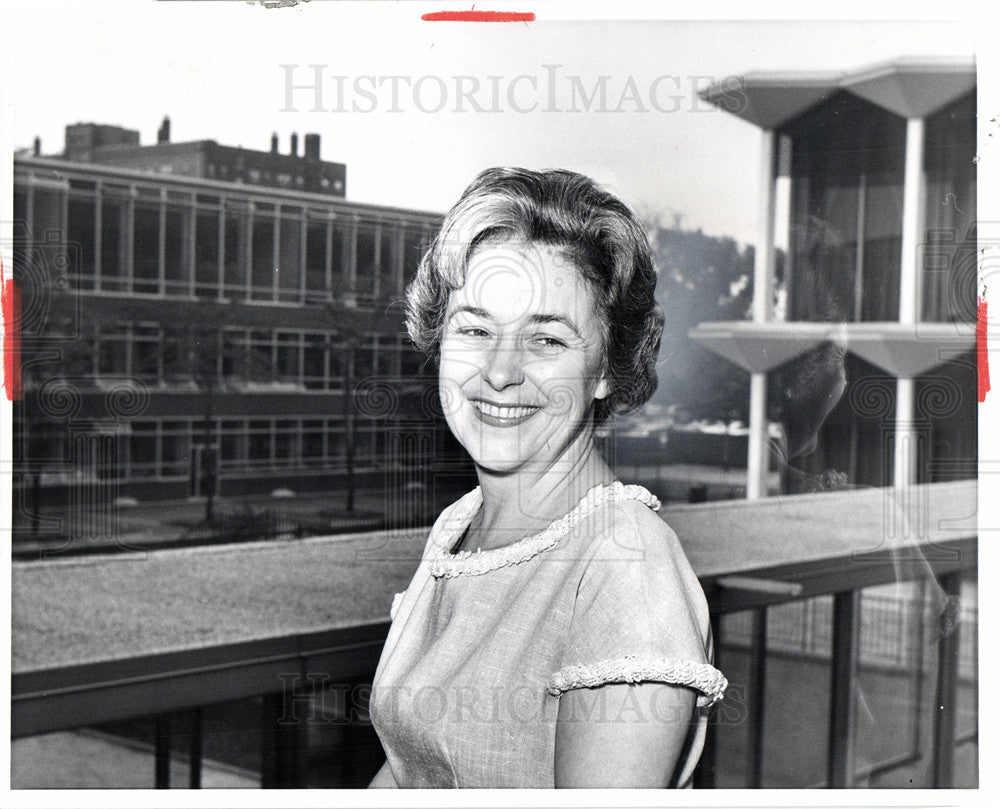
443, 563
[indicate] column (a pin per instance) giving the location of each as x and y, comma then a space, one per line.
905, 436
757, 447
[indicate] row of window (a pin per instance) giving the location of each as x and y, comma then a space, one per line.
176, 449
182, 244
308, 360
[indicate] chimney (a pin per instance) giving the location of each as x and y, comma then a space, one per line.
163, 133
295, 144
38, 146
312, 146
274, 142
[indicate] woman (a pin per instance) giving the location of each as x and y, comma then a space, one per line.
554, 633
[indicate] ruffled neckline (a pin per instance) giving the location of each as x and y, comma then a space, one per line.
444, 564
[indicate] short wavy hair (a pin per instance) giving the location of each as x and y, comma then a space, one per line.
592, 227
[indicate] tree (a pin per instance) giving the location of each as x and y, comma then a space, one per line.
701, 278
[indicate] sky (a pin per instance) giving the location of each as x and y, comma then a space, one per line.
221, 70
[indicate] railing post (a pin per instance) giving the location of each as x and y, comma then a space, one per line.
843, 690
161, 751
755, 690
284, 740
195, 749
946, 693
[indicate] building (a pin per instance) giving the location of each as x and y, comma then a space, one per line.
186, 335
115, 146
868, 189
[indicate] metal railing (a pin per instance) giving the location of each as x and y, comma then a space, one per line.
288, 671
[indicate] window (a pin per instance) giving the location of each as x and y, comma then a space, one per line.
112, 358
290, 257
81, 229
847, 197
949, 254
146, 353
235, 248
146, 247
288, 367
206, 254
389, 279
143, 462
114, 275
176, 252
262, 255
317, 283
175, 448
366, 264
414, 245
259, 442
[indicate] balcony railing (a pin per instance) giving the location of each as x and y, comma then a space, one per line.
168, 634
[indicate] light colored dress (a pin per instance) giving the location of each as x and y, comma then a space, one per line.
482, 644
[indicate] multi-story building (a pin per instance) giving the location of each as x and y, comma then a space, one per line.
188, 334
116, 146
868, 188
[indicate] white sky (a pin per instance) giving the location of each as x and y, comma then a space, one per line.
214, 68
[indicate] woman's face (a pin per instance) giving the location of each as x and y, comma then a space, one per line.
522, 353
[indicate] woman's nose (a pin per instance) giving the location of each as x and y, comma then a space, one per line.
504, 366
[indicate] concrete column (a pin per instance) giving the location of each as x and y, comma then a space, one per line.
905, 443
757, 447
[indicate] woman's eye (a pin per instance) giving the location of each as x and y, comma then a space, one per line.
473, 331
549, 342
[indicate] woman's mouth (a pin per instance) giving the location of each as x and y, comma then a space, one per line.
502, 415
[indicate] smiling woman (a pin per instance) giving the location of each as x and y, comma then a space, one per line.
572, 647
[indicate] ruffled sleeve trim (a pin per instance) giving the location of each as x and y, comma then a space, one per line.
703, 677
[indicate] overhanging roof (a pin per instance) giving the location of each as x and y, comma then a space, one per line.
901, 349
909, 87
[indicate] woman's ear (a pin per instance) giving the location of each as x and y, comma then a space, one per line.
603, 389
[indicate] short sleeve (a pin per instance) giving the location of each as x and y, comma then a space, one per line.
640, 613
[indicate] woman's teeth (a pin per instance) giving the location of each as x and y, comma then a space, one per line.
503, 412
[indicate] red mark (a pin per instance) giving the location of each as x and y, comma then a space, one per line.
478, 16
10, 304
982, 352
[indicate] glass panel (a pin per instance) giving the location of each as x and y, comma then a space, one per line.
146, 353
290, 259
146, 247
142, 450
314, 361
949, 260
113, 229
413, 251
262, 270
233, 442
364, 280
112, 354
338, 259
80, 231
175, 444
847, 176
946, 407
47, 213
389, 280
288, 357
176, 251
316, 280
235, 270
259, 441
206, 254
